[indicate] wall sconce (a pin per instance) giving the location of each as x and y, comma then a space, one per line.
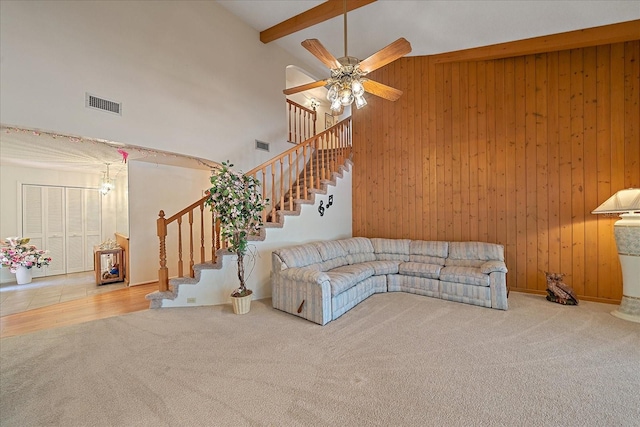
627, 233
313, 103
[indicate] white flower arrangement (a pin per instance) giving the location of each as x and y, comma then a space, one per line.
16, 253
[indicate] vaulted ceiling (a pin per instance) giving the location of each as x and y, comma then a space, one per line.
431, 26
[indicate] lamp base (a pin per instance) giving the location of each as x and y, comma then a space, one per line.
627, 234
629, 309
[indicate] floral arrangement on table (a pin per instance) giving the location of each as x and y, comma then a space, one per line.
15, 252
237, 202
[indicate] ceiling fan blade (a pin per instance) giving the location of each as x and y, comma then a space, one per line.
319, 51
386, 55
383, 91
304, 87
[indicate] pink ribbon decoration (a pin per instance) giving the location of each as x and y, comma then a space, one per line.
124, 155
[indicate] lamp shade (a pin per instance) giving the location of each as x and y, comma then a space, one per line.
623, 201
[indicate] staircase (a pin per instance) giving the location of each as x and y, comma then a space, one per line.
289, 180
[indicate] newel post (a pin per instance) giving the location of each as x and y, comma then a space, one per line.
163, 272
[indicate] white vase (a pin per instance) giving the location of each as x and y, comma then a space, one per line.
23, 275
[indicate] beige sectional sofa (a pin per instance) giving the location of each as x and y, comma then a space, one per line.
321, 281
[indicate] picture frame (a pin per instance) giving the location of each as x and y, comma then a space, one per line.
328, 120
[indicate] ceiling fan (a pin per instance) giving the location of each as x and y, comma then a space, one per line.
348, 82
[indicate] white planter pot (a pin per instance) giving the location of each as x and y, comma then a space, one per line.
23, 275
241, 305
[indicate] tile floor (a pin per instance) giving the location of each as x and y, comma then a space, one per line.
43, 291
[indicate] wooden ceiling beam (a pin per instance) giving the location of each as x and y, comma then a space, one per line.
323, 12
606, 34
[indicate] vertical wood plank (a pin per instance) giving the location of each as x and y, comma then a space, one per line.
617, 146
473, 152
500, 156
511, 210
456, 196
590, 171
564, 159
464, 151
531, 158
542, 214
603, 168
521, 175
483, 226
577, 171
553, 162
439, 143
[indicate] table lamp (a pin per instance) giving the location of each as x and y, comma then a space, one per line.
627, 234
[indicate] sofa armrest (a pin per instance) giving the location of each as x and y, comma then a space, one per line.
303, 292
302, 274
493, 267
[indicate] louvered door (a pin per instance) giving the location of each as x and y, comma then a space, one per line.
32, 218
92, 225
54, 229
65, 221
75, 230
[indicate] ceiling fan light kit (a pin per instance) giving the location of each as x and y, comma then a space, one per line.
347, 82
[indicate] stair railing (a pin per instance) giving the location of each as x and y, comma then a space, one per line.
302, 122
287, 177
290, 175
201, 215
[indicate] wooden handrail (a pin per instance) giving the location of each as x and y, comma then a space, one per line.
302, 122
287, 177
292, 174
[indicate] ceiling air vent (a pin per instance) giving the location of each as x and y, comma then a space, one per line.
92, 101
264, 146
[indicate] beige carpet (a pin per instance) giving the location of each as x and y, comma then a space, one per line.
394, 360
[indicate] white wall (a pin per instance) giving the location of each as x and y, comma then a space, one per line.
154, 187
11, 177
192, 78
215, 286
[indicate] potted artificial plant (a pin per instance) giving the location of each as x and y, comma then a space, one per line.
21, 257
236, 200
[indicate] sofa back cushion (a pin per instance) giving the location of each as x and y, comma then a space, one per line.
474, 254
333, 254
359, 249
391, 249
428, 252
299, 256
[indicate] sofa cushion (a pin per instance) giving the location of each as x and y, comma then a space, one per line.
428, 252
493, 266
391, 249
343, 278
299, 256
473, 254
383, 267
359, 249
332, 253
464, 275
418, 269
362, 270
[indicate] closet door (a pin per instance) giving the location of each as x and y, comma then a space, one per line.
54, 229
92, 224
75, 230
32, 218
43, 223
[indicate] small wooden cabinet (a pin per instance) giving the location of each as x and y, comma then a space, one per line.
109, 265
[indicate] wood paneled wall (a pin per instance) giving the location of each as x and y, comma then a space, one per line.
516, 151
